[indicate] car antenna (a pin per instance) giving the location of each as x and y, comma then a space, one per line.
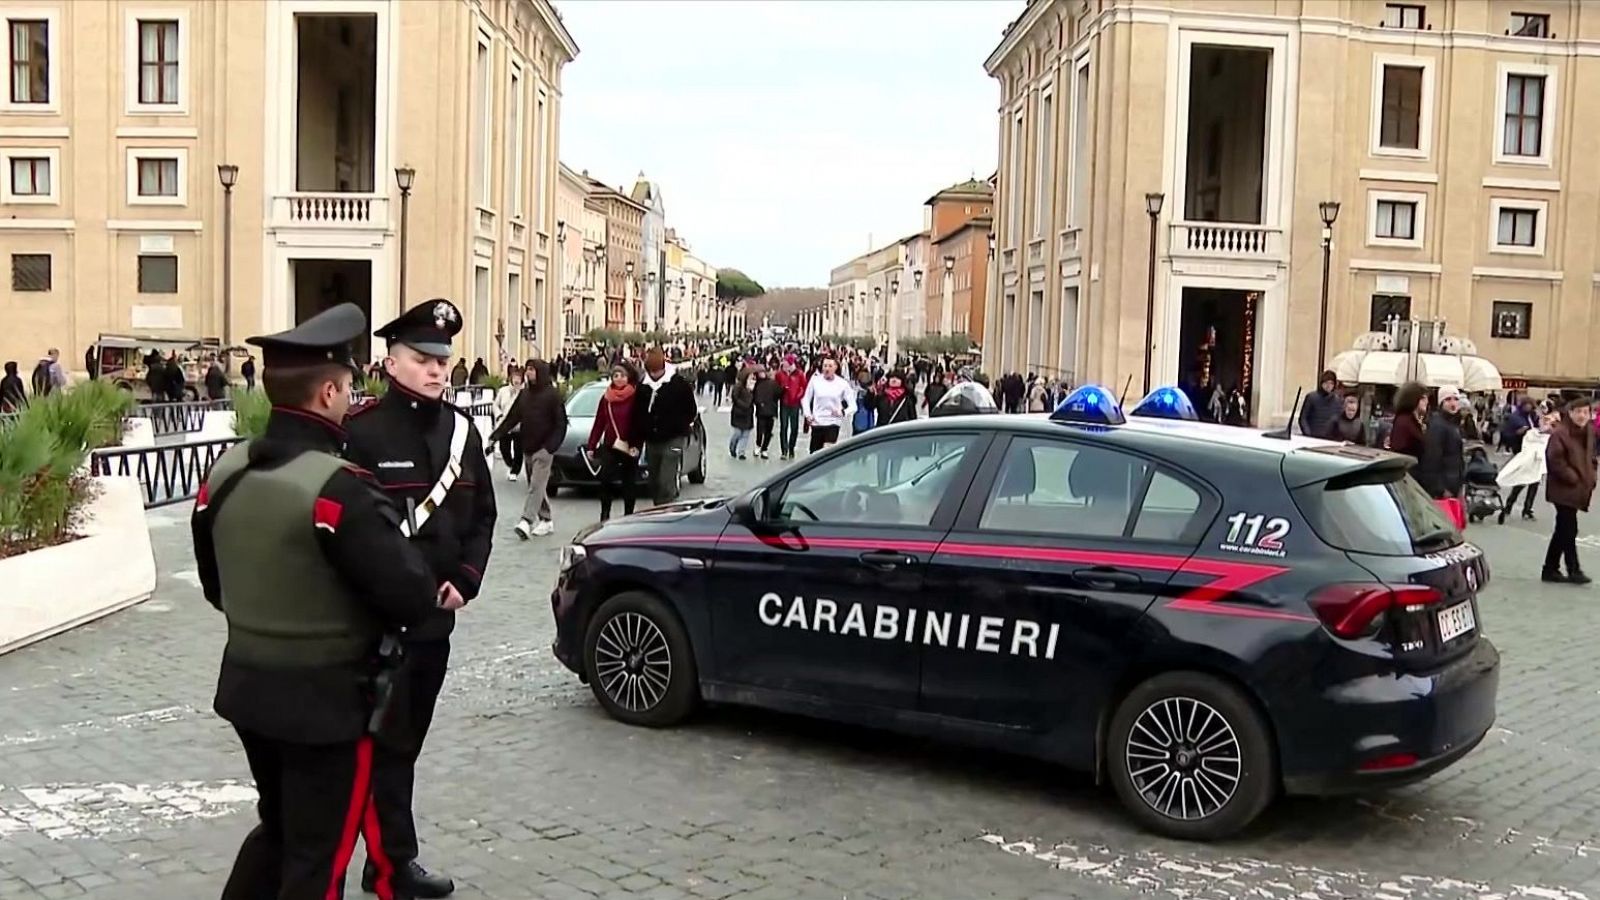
1283, 433
1126, 385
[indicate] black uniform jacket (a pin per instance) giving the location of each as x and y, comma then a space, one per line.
331, 704
670, 413
404, 440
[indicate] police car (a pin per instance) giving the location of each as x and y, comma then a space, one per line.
1202, 615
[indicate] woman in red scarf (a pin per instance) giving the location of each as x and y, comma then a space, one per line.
895, 402
616, 438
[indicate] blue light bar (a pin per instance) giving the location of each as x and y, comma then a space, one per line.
1166, 403
1089, 405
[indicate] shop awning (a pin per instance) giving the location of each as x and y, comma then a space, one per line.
1437, 370
1370, 367
1478, 374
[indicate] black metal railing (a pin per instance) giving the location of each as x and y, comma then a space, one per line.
167, 474
178, 418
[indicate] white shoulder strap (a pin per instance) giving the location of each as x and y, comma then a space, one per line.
447, 479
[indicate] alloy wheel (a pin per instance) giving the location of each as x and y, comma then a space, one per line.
633, 663
1184, 758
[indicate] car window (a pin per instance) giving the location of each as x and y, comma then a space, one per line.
1059, 488
1386, 513
893, 482
582, 405
1170, 505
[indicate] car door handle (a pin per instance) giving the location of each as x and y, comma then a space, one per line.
1106, 578
886, 559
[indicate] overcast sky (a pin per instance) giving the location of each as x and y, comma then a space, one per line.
784, 134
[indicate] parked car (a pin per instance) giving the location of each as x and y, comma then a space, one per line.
572, 466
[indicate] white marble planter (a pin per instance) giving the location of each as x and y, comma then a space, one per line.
217, 424
56, 589
138, 432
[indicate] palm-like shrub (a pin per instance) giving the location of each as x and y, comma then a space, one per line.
42, 488
250, 409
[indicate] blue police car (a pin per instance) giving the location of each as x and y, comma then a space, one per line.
1203, 616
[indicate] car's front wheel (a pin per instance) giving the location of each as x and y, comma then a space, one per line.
640, 664
1190, 756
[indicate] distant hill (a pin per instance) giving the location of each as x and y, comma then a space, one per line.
783, 303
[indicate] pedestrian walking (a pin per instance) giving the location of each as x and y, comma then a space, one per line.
504, 397
669, 414
615, 440
540, 420
1569, 486
216, 381
303, 555
866, 403
1442, 467
1321, 407
248, 372
48, 376
769, 399
427, 454
826, 404
793, 381
13, 396
742, 413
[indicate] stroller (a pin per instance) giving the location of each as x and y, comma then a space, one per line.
1481, 478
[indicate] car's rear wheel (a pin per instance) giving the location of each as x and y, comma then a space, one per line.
640, 664
1191, 757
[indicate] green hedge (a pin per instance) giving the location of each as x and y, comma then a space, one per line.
42, 452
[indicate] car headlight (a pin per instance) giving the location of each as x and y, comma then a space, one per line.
571, 555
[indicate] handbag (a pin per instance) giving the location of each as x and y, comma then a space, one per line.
619, 445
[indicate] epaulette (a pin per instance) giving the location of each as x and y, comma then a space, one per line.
366, 405
363, 474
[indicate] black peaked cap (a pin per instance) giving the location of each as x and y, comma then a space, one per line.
428, 327
323, 338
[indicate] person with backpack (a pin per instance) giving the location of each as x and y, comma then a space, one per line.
542, 419
48, 376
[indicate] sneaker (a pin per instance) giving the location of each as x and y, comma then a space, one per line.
742, 456
1527, 515
524, 530
1553, 576
1576, 576
544, 527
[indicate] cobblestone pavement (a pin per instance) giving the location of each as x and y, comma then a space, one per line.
117, 781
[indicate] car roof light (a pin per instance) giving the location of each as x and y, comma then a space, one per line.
1166, 403
1089, 405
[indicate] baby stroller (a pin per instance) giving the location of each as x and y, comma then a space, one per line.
1481, 478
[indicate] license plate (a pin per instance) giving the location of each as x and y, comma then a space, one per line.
1456, 621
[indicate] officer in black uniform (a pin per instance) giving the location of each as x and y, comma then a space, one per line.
429, 457
303, 554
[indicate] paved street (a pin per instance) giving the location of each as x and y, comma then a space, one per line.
117, 781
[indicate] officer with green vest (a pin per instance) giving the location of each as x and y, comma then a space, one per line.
305, 557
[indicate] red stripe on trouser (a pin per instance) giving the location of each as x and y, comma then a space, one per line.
360, 792
383, 885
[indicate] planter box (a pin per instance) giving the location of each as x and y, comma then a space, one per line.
218, 423
111, 567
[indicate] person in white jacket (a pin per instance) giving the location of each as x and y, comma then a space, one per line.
503, 398
826, 405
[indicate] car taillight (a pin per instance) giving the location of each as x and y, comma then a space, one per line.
1352, 610
1390, 761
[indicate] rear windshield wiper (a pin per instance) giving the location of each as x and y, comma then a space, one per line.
1432, 537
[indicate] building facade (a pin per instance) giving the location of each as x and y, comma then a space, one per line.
572, 240
1449, 132
623, 259
116, 116
653, 250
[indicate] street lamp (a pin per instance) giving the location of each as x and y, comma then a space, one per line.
947, 319
1329, 211
1152, 207
228, 174
991, 245
893, 348
404, 177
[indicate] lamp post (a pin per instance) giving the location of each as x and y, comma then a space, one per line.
1152, 207
404, 178
1329, 210
921, 316
877, 308
947, 313
605, 283
562, 289
893, 350
628, 288
228, 174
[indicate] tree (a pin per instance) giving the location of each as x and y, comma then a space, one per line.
733, 284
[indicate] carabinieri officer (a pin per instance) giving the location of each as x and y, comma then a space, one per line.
428, 455
303, 554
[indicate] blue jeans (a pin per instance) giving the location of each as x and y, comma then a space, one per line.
788, 428
739, 442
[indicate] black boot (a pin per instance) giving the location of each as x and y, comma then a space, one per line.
1575, 576
410, 880
1553, 576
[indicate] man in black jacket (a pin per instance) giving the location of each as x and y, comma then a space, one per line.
669, 411
540, 420
1322, 407
428, 456
1442, 468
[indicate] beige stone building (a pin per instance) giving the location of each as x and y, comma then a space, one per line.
116, 115
1453, 134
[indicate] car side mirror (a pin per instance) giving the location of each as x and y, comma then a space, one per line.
750, 509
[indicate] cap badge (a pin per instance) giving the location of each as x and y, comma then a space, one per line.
442, 313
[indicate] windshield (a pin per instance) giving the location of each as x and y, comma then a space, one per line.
1389, 515
584, 403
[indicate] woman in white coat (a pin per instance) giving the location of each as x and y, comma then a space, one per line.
1525, 470
503, 398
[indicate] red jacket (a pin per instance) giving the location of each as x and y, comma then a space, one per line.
615, 420
794, 386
